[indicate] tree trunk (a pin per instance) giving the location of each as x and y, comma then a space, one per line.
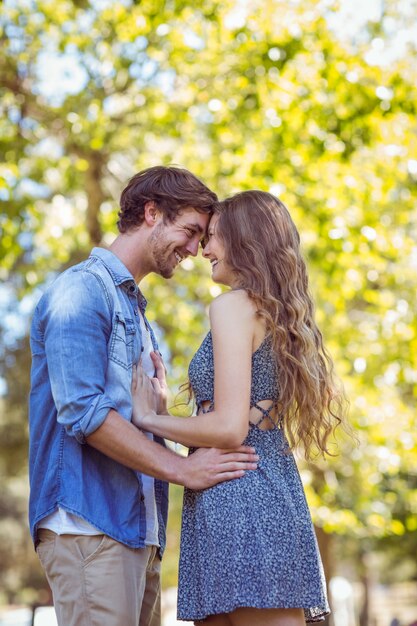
95, 196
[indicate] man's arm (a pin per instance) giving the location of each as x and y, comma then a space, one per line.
76, 324
123, 442
77, 330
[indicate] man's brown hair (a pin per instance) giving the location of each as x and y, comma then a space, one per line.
171, 188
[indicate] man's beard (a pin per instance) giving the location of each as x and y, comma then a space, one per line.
158, 243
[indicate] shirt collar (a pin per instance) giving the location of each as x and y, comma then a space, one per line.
120, 274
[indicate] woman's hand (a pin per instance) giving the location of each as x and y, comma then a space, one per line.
145, 398
160, 383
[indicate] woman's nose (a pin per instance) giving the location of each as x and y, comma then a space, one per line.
206, 250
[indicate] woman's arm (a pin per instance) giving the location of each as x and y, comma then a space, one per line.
232, 319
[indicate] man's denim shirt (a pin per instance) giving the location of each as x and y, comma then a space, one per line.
85, 338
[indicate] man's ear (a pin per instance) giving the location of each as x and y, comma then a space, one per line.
151, 213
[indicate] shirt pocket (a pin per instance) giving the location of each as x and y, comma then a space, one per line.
122, 341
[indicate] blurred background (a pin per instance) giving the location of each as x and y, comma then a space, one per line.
313, 100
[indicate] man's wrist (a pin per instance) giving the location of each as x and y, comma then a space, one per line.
179, 471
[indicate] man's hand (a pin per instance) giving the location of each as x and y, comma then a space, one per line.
208, 466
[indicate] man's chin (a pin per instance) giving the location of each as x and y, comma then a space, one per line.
166, 272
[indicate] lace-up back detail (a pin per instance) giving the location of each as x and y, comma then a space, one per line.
264, 384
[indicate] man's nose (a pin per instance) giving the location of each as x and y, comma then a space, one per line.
192, 246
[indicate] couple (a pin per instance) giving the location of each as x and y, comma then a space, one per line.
262, 383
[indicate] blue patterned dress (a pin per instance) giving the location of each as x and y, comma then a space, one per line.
249, 542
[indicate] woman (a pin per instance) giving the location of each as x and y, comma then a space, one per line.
248, 550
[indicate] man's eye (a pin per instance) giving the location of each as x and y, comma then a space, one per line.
190, 233
205, 240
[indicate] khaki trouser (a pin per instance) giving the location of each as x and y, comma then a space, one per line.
97, 581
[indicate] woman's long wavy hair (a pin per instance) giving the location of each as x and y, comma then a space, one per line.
262, 247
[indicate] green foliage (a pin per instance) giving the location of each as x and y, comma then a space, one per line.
259, 95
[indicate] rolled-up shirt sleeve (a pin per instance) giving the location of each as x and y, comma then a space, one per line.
77, 327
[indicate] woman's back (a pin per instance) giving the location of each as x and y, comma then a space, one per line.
264, 382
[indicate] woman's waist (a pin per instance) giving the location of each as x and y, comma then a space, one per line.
276, 467
268, 442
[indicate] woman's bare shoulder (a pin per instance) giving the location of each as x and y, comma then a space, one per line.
235, 301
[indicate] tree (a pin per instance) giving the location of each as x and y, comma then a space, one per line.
259, 95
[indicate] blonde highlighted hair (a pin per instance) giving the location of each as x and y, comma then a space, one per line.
262, 246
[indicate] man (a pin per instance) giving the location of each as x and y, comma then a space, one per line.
98, 502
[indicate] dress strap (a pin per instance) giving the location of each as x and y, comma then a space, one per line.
266, 414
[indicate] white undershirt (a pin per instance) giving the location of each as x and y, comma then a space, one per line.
148, 483
62, 522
